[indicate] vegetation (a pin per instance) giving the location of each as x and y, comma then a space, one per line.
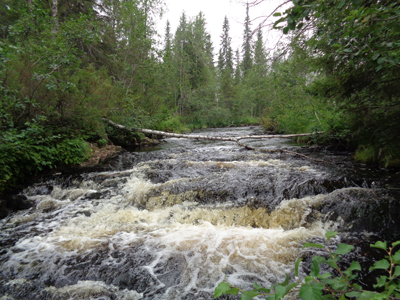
64, 66
354, 47
331, 283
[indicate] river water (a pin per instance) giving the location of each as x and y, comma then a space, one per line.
173, 222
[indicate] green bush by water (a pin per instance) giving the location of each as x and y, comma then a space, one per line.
339, 284
25, 152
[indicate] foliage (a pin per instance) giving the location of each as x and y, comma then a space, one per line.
354, 45
334, 284
25, 152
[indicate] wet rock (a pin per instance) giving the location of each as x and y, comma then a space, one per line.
362, 210
10, 203
101, 155
149, 142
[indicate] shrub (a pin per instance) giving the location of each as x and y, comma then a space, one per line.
336, 285
26, 152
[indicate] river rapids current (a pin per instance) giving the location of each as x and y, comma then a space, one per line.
173, 222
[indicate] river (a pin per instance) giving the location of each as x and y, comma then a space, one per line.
173, 221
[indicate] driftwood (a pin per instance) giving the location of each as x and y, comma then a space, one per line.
227, 139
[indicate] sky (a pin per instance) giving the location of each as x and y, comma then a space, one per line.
215, 12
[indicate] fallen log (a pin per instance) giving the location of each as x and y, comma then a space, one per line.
207, 137
227, 139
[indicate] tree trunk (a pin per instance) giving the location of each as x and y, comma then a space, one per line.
54, 12
207, 137
227, 139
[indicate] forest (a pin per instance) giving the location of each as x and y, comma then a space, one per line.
65, 65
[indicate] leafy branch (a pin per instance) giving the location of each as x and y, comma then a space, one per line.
317, 285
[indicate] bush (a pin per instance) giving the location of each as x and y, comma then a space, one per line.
25, 152
336, 285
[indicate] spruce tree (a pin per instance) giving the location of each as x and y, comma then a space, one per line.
225, 62
225, 66
237, 68
247, 44
260, 59
167, 39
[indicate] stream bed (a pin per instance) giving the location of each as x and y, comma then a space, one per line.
173, 221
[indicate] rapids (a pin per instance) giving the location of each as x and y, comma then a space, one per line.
175, 220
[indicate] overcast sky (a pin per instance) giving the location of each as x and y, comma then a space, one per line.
214, 12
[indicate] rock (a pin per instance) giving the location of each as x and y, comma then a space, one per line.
101, 155
148, 142
10, 203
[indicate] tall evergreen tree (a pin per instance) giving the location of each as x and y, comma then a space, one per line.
167, 41
237, 68
225, 62
225, 66
247, 44
260, 57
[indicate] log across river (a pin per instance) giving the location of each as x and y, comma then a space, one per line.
173, 221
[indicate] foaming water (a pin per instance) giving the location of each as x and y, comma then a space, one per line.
173, 223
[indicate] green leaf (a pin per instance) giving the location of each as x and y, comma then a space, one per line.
396, 257
325, 276
314, 268
278, 14
285, 30
259, 288
343, 249
312, 291
291, 286
280, 292
381, 282
396, 271
395, 244
353, 294
286, 282
381, 60
354, 266
233, 291
330, 234
313, 245
379, 244
380, 265
309, 279
366, 295
247, 295
376, 55
221, 289
296, 267
332, 262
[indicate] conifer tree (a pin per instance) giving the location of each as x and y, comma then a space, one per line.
260, 58
225, 66
247, 44
237, 68
167, 40
225, 54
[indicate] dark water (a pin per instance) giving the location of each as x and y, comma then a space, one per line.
173, 221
